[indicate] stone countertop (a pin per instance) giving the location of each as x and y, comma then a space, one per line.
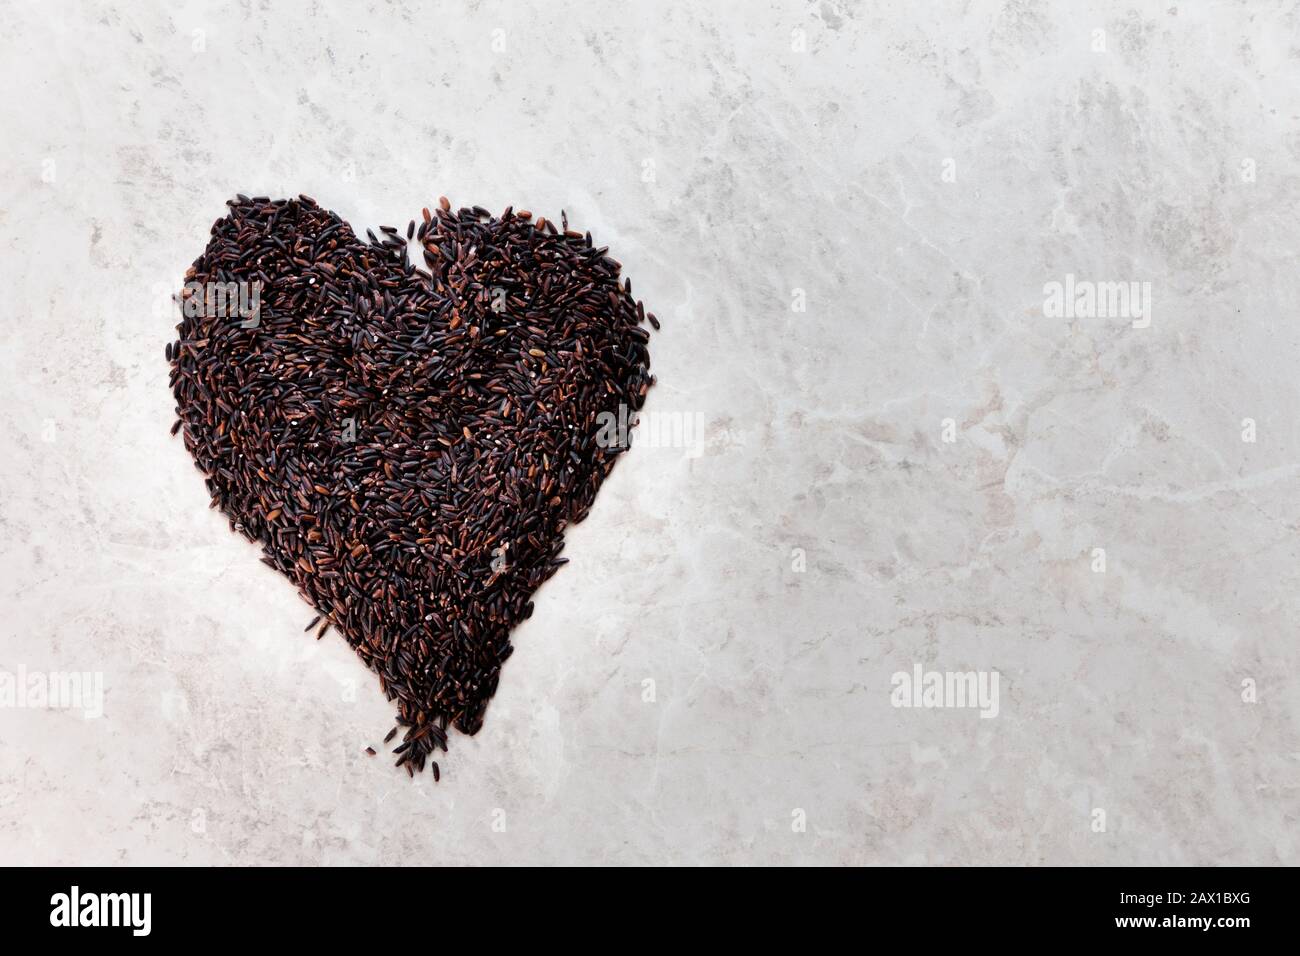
980, 334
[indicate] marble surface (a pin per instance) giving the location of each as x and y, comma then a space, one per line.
849, 217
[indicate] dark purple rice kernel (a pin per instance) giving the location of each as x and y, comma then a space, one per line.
470, 427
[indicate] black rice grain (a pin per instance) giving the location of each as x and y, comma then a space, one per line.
408, 446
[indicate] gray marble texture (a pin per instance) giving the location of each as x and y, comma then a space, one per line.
849, 216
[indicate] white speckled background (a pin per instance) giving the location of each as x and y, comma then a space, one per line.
919, 172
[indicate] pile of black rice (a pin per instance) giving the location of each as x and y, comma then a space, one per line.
407, 444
